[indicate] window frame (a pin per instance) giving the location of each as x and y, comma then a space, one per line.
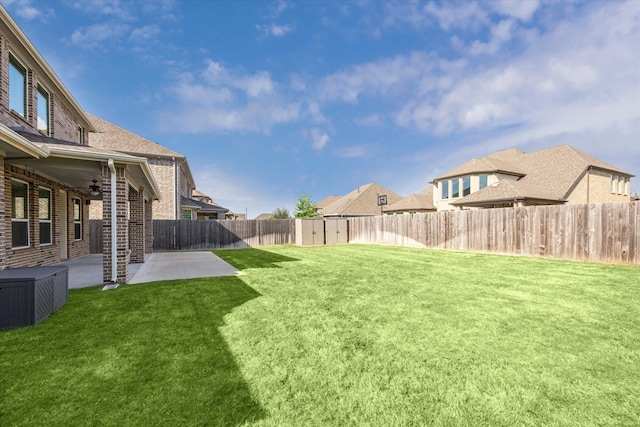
43, 95
613, 187
455, 188
45, 220
77, 222
444, 189
15, 64
15, 220
485, 178
466, 185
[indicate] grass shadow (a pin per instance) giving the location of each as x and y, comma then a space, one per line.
245, 258
139, 355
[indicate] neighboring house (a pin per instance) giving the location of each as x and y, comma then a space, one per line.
326, 202
414, 203
170, 169
48, 169
512, 177
264, 216
207, 208
363, 201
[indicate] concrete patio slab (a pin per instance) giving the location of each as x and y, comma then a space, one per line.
87, 271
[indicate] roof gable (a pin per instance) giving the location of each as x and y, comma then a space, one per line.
414, 202
362, 201
112, 137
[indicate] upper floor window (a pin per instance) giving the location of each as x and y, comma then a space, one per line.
43, 110
455, 187
44, 215
80, 135
445, 189
19, 214
466, 185
484, 180
186, 214
77, 219
17, 87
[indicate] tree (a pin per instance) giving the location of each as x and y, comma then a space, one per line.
305, 208
280, 213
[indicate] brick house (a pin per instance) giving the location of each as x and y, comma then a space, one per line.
48, 167
556, 175
170, 170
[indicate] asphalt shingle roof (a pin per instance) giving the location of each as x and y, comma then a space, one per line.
548, 174
112, 137
414, 202
363, 201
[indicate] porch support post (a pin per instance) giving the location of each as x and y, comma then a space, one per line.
148, 226
122, 226
137, 227
4, 222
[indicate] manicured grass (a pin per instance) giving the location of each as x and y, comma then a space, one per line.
343, 335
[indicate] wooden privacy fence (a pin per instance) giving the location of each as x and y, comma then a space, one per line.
608, 232
179, 235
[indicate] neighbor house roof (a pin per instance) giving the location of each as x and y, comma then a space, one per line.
326, 202
264, 216
550, 174
112, 137
201, 207
422, 201
363, 201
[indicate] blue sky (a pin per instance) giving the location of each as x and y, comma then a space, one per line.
272, 99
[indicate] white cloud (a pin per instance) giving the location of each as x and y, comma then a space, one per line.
520, 9
318, 139
384, 77
500, 34
148, 32
371, 120
574, 76
274, 30
90, 37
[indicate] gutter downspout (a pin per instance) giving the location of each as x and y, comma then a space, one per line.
114, 223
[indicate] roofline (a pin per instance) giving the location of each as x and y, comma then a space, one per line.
35, 55
504, 172
104, 157
21, 143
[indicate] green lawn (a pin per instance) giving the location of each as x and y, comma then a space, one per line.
342, 335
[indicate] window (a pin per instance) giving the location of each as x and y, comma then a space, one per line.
445, 189
19, 214
44, 215
77, 219
186, 214
484, 180
466, 185
614, 183
455, 187
43, 110
621, 185
80, 135
17, 87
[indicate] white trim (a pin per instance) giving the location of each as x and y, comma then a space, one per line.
21, 220
46, 221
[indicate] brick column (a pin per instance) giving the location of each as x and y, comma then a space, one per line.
137, 227
122, 225
5, 217
148, 226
